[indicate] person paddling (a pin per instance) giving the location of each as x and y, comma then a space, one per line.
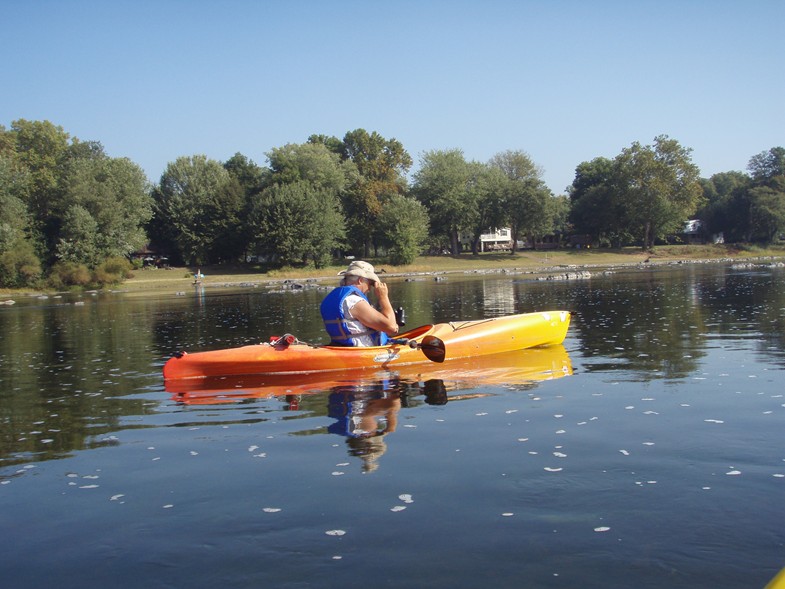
349, 317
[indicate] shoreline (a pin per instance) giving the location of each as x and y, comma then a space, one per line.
541, 265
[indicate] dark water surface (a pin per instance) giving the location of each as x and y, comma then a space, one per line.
656, 458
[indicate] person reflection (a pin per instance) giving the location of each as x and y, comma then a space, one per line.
364, 415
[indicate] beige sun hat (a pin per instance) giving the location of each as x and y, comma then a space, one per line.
362, 269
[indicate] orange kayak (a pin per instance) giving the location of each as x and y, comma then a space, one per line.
520, 368
442, 342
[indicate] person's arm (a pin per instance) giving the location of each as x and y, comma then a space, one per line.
381, 320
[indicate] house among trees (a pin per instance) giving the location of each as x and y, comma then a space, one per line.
493, 240
150, 257
695, 232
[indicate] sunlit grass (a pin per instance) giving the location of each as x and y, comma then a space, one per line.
525, 260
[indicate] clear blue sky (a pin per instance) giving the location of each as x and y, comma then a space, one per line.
565, 81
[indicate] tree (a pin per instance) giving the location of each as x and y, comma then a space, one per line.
767, 165
381, 166
41, 149
310, 162
441, 184
197, 205
298, 222
403, 223
74, 196
332, 143
766, 196
659, 188
526, 196
595, 205
115, 195
726, 208
19, 264
250, 176
13, 211
767, 209
559, 211
486, 186
251, 179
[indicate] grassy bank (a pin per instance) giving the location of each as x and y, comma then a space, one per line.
179, 279
531, 261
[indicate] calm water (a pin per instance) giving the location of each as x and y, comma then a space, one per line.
647, 452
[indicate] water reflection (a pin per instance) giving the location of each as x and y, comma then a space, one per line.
364, 415
76, 370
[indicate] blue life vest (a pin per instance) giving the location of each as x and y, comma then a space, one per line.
335, 320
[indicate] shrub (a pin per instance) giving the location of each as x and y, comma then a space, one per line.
19, 266
68, 274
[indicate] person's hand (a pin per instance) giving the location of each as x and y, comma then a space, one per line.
381, 290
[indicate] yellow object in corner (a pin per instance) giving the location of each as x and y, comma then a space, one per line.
778, 582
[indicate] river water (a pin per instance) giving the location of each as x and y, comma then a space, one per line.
648, 451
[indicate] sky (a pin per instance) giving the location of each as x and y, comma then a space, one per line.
564, 81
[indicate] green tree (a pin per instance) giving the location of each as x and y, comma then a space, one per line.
403, 223
595, 206
78, 239
332, 143
726, 205
767, 210
115, 194
442, 185
526, 196
310, 162
197, 205
767, 194
251, 179
659, 188
13, 211
41, 149
250, 176
381, 166
559, 211
19, 264
487, 188
767, 165
298, 223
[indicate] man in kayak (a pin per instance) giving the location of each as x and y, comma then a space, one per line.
349, 317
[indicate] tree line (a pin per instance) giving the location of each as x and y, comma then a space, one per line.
70, 214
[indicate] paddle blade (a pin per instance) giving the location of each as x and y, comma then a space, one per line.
433, 348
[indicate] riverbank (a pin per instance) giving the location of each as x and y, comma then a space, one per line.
544, 263
537, 263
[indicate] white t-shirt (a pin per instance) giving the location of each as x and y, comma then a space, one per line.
354, 325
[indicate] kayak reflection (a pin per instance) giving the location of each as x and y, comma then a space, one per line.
521, 368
